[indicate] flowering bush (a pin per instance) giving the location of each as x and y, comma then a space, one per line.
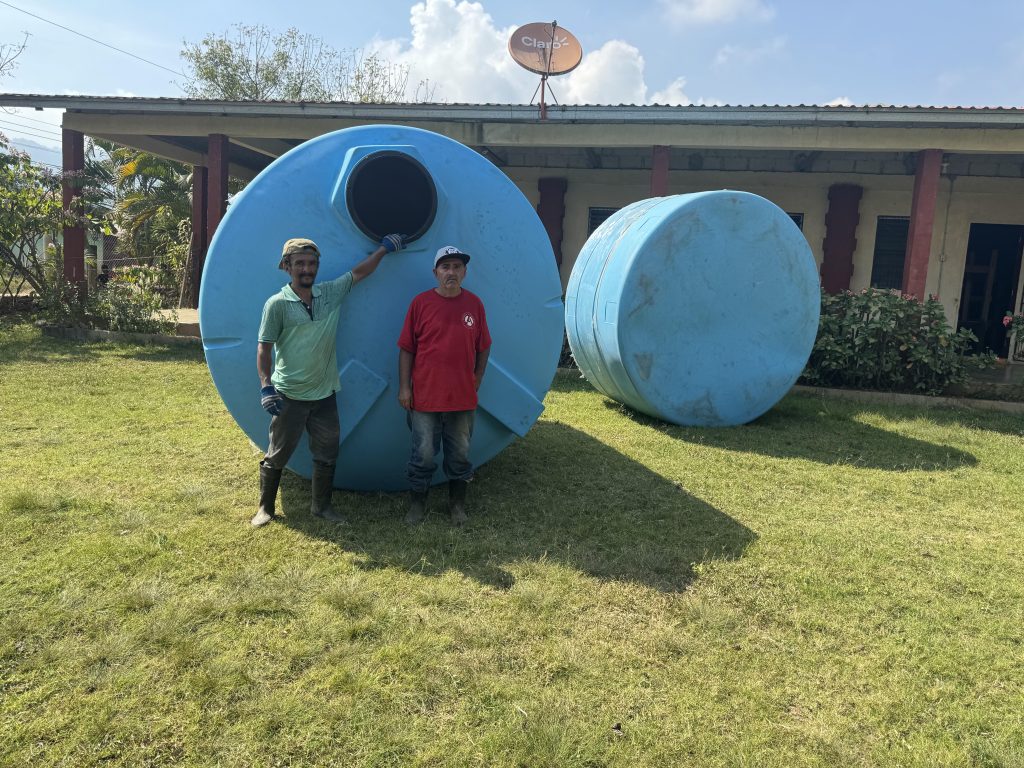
879, 339
129, 302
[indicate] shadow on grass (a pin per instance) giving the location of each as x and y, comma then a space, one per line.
566, 381
827, 433
558, 496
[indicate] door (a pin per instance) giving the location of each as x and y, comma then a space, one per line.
990, 283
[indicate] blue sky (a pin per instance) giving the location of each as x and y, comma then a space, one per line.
932, 52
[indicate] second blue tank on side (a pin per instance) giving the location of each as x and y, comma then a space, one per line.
698, 309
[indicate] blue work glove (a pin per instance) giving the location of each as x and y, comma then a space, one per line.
271, 400
393, 243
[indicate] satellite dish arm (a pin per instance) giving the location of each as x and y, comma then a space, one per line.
550, 51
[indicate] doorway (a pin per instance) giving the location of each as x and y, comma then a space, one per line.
989, 291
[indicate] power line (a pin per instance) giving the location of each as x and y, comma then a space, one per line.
23, 132
93, 39
14, 113
15, 124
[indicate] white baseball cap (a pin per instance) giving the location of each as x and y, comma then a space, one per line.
449, 251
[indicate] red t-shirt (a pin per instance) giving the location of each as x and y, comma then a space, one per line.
445, 335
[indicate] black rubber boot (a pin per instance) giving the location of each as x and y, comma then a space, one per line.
417, 507
457, 501
270, 481
322, 488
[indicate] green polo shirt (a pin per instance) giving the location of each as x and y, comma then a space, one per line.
305, 348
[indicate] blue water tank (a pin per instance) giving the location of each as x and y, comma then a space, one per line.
345, 190
697, 309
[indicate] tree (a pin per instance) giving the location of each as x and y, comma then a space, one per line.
253, 63
30, 210
9, 52
151, 196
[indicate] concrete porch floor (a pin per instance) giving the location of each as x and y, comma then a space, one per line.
188, 321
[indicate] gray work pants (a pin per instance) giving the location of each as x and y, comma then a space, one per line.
318, 417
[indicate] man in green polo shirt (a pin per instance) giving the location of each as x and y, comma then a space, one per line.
299, 382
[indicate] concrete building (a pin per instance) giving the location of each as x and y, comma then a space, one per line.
924, 200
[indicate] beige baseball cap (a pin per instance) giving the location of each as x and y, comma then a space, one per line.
296, 245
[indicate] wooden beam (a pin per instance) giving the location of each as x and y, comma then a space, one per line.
551, 210
840, 236
174, 152
922, 221
200, 183
272, 148
216, 183
659, 170
73, 150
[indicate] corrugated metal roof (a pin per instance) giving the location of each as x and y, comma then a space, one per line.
695, 107
753, 115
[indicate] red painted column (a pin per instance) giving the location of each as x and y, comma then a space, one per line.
840, 236
217, 183
200, 181
73, 150
922, 221
659, 170
551, 210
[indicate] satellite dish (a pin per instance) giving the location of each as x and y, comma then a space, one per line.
545, 49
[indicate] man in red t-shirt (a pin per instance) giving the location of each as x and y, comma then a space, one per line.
442, 355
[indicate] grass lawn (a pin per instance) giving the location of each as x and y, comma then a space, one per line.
833, 585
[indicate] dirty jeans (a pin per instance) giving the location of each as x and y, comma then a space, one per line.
318, 417
429, 430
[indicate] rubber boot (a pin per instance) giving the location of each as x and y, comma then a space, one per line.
457, 501
322, 488
270, 481
417, 507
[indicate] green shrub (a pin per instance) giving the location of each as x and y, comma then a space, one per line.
878, 339
129, 302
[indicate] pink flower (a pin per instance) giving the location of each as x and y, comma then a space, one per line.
1006, 321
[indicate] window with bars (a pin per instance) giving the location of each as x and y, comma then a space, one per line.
890, 252
798, 219
597, 217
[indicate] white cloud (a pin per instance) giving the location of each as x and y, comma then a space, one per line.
734, 54
716, 11
456, 45
613, 74
842, 101
673, 94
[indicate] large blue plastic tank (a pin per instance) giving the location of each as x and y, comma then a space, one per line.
344, 190
697, 309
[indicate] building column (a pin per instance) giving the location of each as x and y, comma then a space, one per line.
659, 170
922, 221
840, 236
197, 253
73, 150
551, 210
216, 183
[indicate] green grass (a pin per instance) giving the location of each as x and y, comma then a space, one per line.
833, 585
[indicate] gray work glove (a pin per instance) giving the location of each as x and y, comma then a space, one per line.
271, 400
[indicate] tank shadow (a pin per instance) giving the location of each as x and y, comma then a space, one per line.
557, 496
803, 427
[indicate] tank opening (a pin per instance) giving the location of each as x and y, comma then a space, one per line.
391, 192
